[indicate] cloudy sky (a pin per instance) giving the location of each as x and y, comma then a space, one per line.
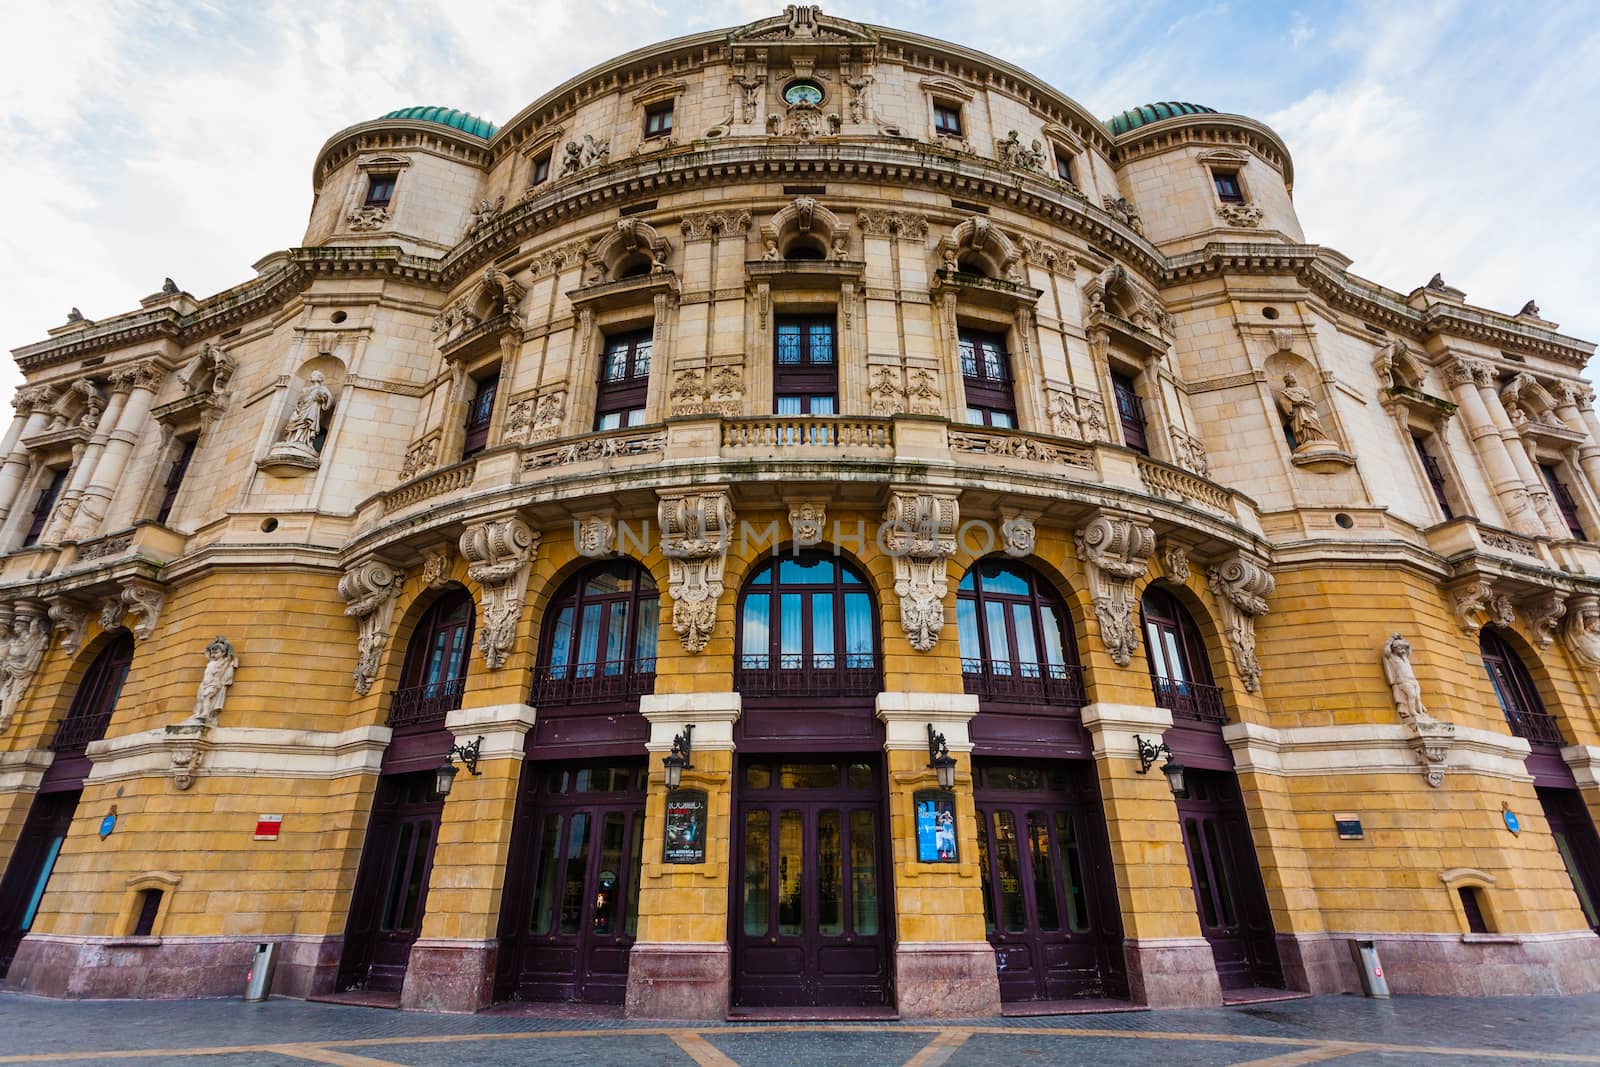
146, 139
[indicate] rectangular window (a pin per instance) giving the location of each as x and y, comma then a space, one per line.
805, 377
1229, 191
380, 189
539, 171
1064, 166
175, 475
45, 505
658, 120
1473, 908
1130, 413
144, 923
986, 375
479, 413
947, 119
1564, 501
1435, 475
624, 380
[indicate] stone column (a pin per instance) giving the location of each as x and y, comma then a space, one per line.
452, 964
681, 966
944, 965
1169, 963
1577, 411
33, 414
1522, 453
83, 469
143, 381
1504, 479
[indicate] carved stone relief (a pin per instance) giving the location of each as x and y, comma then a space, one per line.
369, 590
1076, 415
595, 536
1245, 216
420, 457
1114, 551
499, 554
24, 638
1478, 605
1582, 632
368, 219
71, 620
1242, 586
1545, 613
921, 537
1176, 562
695, 530
877, 222
222, 662
703, 224
139, 597
1017, 534
436, 563
887, 395
807, 522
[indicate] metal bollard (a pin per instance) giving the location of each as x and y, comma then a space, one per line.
258, 983
1365, 953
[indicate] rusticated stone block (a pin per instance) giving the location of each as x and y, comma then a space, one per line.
1172, 973
679, 981
946, 979
450, 976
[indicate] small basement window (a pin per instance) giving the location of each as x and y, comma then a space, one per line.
144, 922
1472, 905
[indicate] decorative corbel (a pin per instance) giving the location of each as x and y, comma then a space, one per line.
140, 597
1545, 613
370, 589
921, 537
1242, 586
1114, 551
1477, 605
808, 520
1017, 533
186, 746
499, 554
1582, 631
436, 563
27, 632
1175, 561
71, 620
695, 529
595, 536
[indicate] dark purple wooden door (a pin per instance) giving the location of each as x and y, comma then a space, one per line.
1578, 844
1229, 895
1049, 898
811, 915
33, 860
391, 893
572, 903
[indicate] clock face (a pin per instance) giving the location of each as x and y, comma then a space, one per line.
803, 93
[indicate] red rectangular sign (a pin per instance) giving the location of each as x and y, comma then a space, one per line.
267, 827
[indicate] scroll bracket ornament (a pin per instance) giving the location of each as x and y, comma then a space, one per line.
1115, 551
920, 531
1477, 605
1242, 586
695, 529
139, 597
370, 589
1430, 737
499, 554
71, 620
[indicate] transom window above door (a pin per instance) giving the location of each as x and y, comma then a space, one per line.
805, 370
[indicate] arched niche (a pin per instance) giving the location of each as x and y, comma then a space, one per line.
804, 229
978, 246
631, 248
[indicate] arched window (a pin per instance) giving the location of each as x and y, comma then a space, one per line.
599, 642
1513, 687
1180, 671
96, 697
806, 628
435, 671
1016, 645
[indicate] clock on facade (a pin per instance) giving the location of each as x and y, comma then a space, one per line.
803, 92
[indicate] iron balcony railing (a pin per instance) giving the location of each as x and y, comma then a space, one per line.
426, 703
1052, 684
855, 674
1538, 727
605, 682
1190, 700
76, 733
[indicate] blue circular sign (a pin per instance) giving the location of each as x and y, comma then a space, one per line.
108, 824
1512, 822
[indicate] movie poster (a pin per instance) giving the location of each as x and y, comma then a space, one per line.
685, 840
936, 827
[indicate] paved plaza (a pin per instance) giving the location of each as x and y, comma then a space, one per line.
1460, 1032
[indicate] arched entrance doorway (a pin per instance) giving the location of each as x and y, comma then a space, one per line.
1557, 788
1049, 896
571, 906
1230, 899
44, 832
391, 893
811, 911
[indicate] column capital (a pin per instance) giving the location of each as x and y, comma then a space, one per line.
503, 727
906, 714
1113, 727
711, 714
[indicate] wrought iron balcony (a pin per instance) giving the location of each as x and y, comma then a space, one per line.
1047, 684
1537, 727
426, 703
826, 675
1195, 701
606, 682
76, 732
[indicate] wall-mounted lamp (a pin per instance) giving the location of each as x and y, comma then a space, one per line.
1149, 751
939, 758
677, 760
445, 776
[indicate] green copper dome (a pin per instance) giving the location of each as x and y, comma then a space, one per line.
448, 116
1164, 109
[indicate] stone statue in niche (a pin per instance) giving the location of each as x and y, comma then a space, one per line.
1294, 400
305, 421
1403, 684
221, 663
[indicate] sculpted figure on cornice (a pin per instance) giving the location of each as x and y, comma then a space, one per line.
221, 664
24, 637
1011, 153
1124, 210
484, 211
590, 153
